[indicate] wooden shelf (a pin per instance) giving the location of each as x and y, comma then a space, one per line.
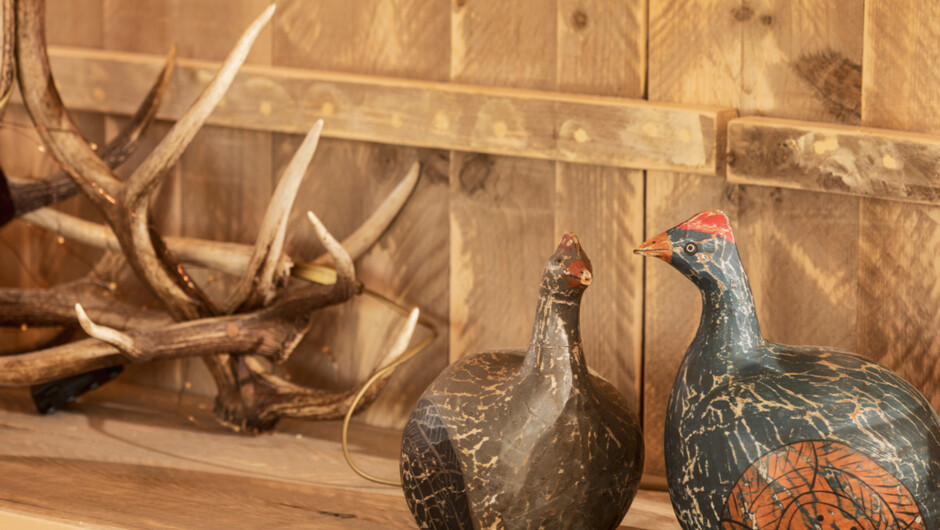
544, 125
127, 456
863, 161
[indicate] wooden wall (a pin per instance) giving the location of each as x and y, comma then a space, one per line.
829, 269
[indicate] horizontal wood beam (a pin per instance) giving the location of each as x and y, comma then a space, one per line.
834, 158
526, 123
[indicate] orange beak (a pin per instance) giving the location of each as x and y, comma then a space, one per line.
579, 275
657, 246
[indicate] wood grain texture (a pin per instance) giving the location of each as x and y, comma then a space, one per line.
30, 257
69, 470
801, 61
386, 37
220, 187
606, 206
602, 48
899, 298
878, 163
134, 458
501, 222
536, 124
775, 58
602, 51
497, 45
350, 179
501, 208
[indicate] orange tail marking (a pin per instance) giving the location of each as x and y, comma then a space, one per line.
819, 483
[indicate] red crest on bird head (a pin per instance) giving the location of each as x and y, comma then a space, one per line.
569, 241
710, 222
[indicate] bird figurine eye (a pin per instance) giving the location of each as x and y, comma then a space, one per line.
691, 248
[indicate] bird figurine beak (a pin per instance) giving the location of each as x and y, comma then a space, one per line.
579, 275
658, 247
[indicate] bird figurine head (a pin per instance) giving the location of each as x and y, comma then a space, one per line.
702, 248
568, 272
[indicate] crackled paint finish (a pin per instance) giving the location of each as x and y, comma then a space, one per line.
765, 435
529, 438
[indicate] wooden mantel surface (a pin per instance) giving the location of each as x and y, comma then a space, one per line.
133, 457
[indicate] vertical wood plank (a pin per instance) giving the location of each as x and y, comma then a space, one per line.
220, 187
604, 206
30, 257
501, 208
496, 44
769, 57
803, 62
602, 47
501, 223
899, 295
405, 38
602, 51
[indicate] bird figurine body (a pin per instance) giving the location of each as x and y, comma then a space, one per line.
528, 438
764, 435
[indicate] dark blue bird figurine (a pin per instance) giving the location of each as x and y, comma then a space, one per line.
765, 435
528, 438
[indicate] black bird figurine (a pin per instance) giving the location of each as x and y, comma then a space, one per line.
764, 435
528, 438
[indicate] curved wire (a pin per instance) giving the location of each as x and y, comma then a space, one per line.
376, 376
321, 274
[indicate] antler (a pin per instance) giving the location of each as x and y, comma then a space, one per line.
7, 47
258, 281
30, 194
271, 332
230, 258
262, 316
124, 206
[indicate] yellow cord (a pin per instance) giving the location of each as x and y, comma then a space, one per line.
326, 275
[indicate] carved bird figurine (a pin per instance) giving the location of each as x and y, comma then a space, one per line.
764, 435
528, 438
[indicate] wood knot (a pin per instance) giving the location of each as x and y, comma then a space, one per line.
784, 152
742, 13
836, 81
579, 19
460, 3
767, 20
475, 173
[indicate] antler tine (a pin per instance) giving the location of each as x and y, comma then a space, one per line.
345, 271
31, 194
52, 120
126, 142
7, 48
182, 298
258, 281
146, 177
110, 335
369, 232
401, 342
300, 402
